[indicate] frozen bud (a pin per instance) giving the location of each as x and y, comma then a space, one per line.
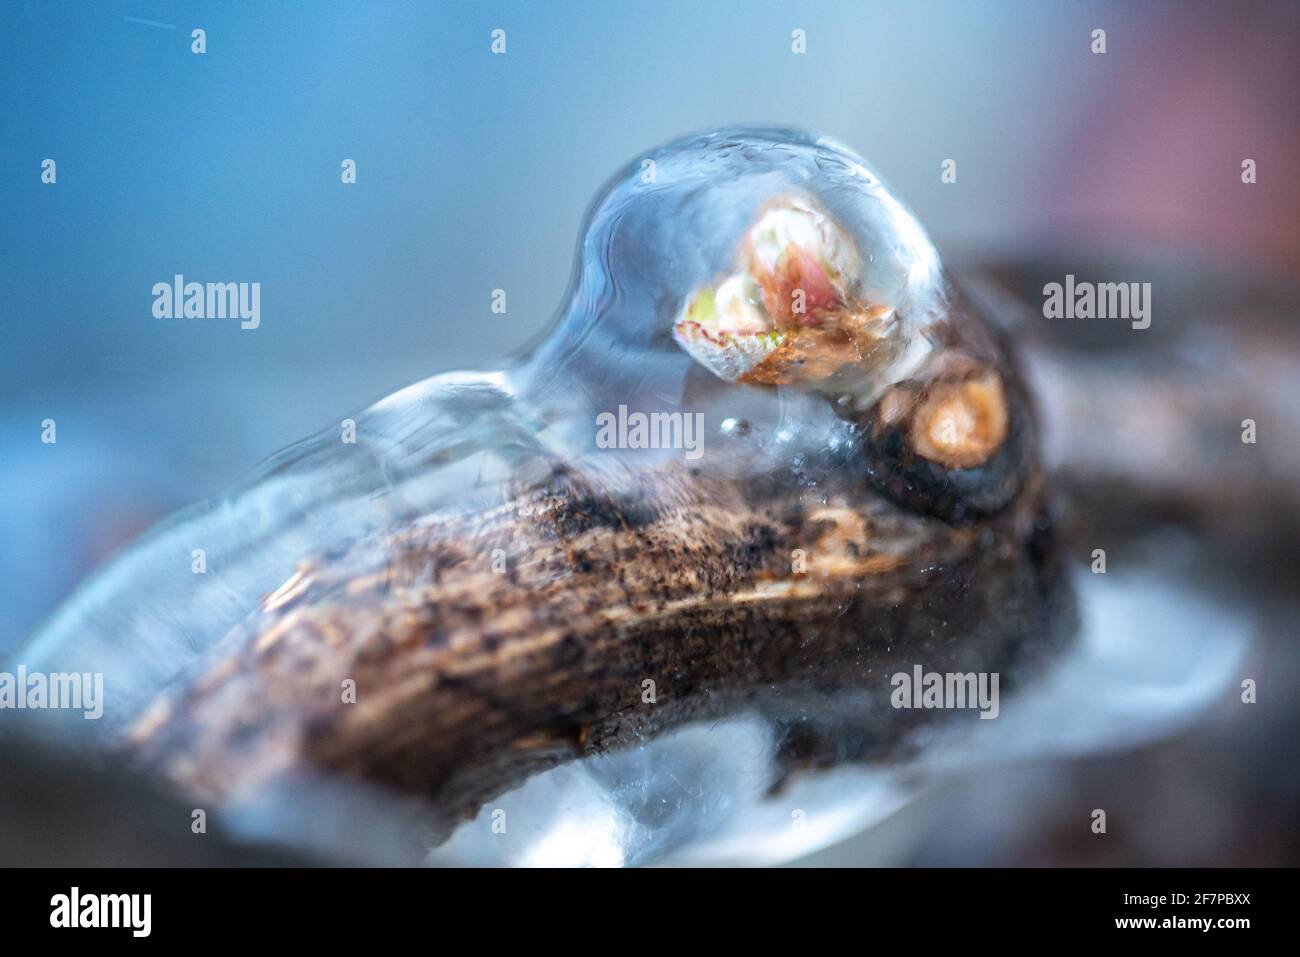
802, 260
739, 307
727, 331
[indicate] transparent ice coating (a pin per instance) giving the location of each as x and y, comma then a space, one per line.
670, 223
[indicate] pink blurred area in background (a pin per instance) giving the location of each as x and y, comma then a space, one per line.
1153, 152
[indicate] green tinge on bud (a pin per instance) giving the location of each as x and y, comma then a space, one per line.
795, 275
729, 343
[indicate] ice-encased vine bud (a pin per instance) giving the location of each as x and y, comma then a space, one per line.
790, 312
727, 331
796, 248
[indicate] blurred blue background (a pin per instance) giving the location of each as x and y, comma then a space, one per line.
474, 171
